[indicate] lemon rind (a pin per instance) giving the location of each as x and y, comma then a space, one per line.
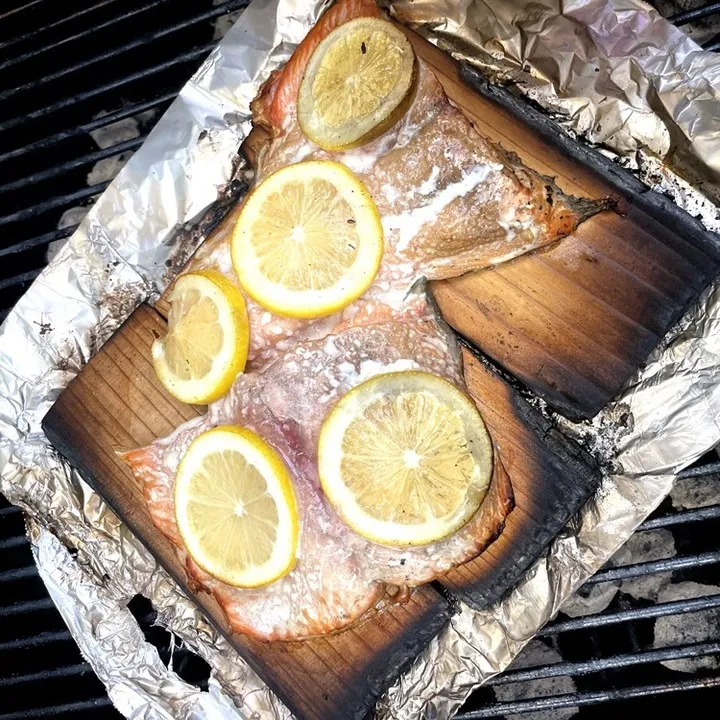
228, 364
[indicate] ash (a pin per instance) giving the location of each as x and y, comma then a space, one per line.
696, 493
679, 629
536, 652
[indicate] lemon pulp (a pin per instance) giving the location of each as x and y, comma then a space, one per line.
235, 507
308, 240
357, 84
206, 344
405, 458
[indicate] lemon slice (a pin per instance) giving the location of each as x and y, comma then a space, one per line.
405, 458
308, 240
235, 507
357, 84
206, 344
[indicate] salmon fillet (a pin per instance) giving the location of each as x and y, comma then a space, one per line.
450, 201
339, 574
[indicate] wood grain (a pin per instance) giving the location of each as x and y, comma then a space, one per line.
576, 321
117, 403
552, 477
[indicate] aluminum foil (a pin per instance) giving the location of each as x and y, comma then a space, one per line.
149, 221
615, 73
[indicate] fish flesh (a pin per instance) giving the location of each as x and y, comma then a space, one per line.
450, 201
338, 575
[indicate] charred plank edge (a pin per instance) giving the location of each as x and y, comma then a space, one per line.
569, 407
197, 231
659, 207
390, 664
567, 457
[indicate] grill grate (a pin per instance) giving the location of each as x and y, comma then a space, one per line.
59, 148
50, 122
615, 655
38, 658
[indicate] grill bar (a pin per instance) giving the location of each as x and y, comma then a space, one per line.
655, 566
587, 698
16, 10
19, 280
59, 169
610, 663
45, 638
12, 542
38, 31
75, 707
689, 16
143, 40
90, 31
85, 128
682, 517
675, 607
23, 608
39, 240
712, 468
18, 573
55, 202
100, 89
61, 672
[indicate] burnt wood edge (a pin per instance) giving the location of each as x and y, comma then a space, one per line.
659, 207
524, 387
72, 456
388, 665
195, 232
385, 667
575, 410
567, 458
525, 551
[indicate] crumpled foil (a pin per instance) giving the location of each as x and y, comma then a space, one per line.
613, 72
145, 226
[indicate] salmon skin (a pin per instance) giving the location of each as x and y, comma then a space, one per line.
450, 201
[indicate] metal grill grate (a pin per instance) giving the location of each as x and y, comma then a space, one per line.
38, 658
620, 652
42, 673
83, 82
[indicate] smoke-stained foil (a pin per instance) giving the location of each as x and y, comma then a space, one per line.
161, 206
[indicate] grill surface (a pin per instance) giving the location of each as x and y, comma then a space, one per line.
81, 85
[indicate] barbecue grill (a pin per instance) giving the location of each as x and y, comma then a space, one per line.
83, 83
